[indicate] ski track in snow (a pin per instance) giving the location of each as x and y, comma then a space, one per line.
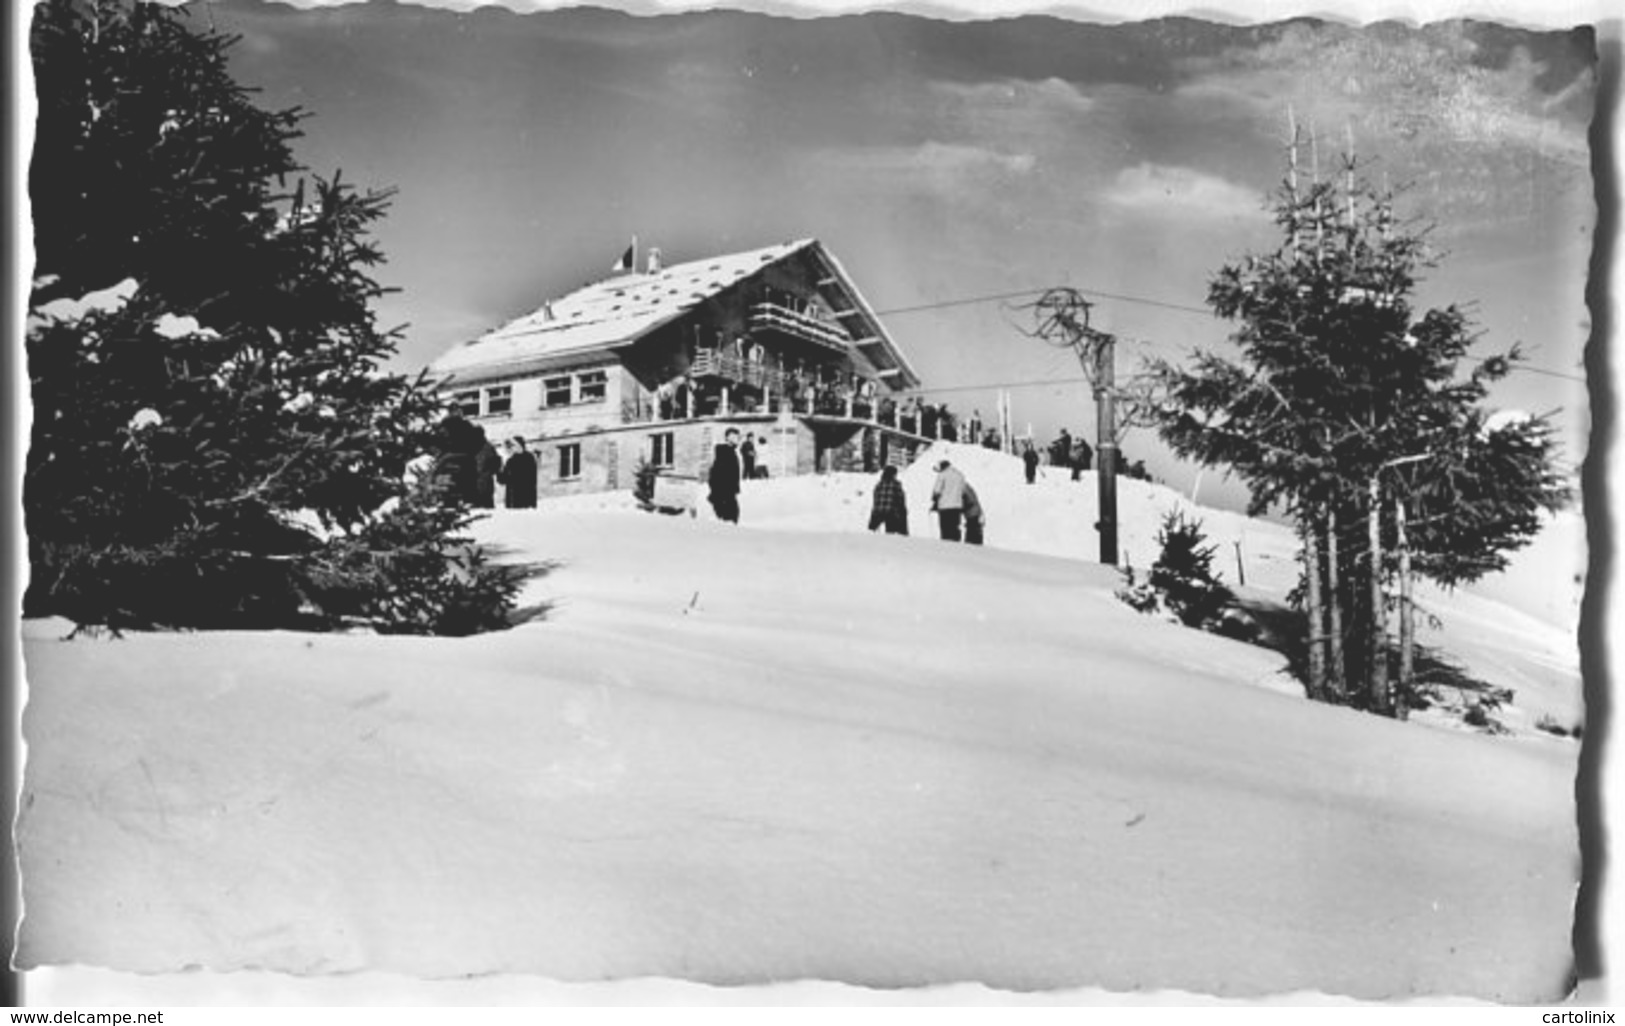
794, 750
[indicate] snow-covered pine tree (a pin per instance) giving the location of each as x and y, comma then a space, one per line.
1345, 407
213, 441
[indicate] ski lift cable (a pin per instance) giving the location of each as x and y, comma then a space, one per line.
1153, 344
1001, 296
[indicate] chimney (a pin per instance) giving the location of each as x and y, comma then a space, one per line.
654, 260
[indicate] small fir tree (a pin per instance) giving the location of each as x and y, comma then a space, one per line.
1182, 580
1183, 572
213, 442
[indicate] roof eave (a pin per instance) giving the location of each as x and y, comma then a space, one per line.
518, 366
911, 377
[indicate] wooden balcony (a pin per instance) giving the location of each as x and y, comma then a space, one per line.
766, 319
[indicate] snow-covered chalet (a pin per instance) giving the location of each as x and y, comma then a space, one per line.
656, 364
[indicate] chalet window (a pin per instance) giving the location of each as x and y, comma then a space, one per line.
663, 449
593, 387
467, 402
569, 462
556, 391
499, 400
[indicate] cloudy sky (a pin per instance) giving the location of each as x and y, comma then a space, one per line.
942, 162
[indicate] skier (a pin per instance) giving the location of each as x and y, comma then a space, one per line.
1029, 459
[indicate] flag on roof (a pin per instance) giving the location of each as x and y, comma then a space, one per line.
628, 259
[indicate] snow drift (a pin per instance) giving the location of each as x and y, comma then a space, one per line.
793, 750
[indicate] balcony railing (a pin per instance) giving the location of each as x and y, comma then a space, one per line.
716, 363
926, 423
783, 320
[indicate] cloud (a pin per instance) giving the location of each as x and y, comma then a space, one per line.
1412, 91
1011, 115
1157, 187
943, 163
1016, 96
1478, 131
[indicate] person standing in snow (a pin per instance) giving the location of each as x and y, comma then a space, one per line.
487, 464
1060, 450
975, 519
1029, 459
458, 441
948, 499
1083, 457
747, 457
724, 478
519, 476
891, 504
762, 459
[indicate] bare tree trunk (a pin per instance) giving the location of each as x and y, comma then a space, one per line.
1407, 616
1309, 529
1348, 133
1336, 671
1292, 173
1320, 220
1378, 682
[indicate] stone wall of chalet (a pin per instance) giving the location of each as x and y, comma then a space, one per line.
529, 416
607, 460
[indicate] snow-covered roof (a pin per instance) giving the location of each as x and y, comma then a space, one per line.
620, 310
607, 313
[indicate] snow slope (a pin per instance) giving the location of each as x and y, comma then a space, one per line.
1515, 630
784, 751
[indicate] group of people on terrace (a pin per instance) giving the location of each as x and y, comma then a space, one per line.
822, 391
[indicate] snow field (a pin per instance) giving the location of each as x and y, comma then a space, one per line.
747, 754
